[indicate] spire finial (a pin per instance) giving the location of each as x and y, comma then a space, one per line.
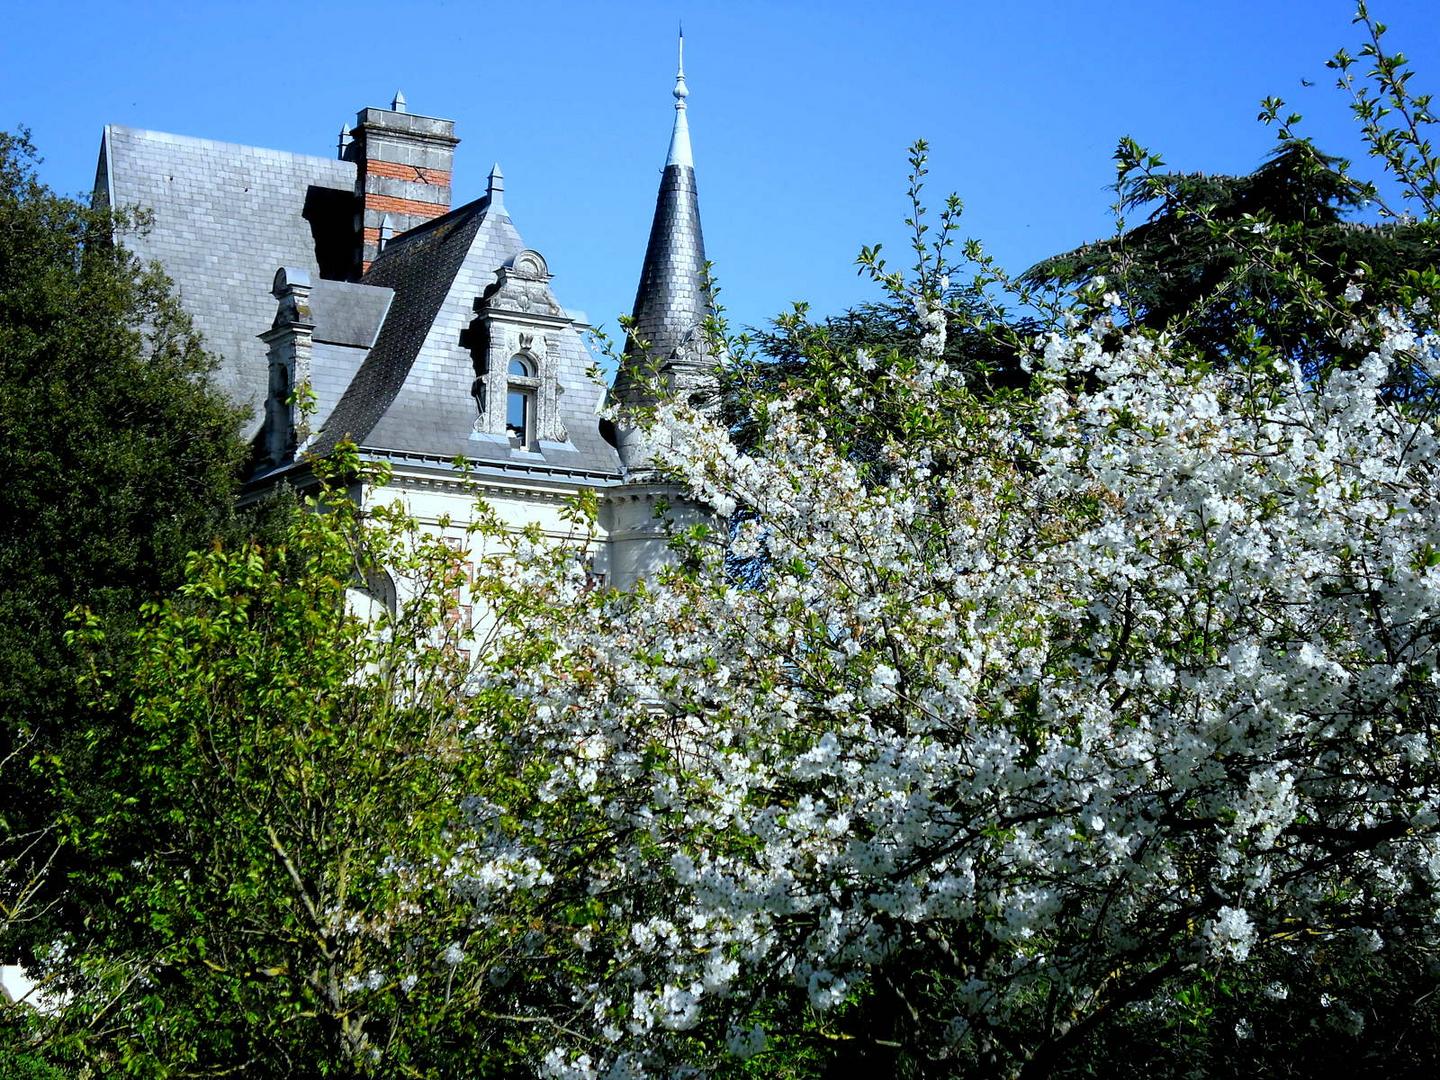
680, 138
681, 93
398, 103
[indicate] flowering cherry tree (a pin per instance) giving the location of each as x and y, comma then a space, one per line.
1131, 676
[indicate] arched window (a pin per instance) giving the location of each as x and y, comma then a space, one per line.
520, 402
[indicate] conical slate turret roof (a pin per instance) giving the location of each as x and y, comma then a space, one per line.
673, 300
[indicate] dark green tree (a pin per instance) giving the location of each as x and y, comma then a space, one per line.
118, 459
299, 761
1222, 261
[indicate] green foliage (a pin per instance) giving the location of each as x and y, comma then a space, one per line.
798, 350
857, 353
260, 795
295, 762
1327, 1001
23, 1066
1399, 142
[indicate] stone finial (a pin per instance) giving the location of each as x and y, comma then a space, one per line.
343, 141
397, 104
287, 278
385, 231
495, 191
291, 288
680, 137
680, 91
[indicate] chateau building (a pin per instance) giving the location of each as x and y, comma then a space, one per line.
425, 334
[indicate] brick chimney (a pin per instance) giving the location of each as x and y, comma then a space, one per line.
403, 163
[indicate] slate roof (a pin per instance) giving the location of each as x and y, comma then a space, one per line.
225, 217
388, 366
412, 394
347, 318
348, 313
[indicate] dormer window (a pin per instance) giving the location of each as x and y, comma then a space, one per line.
520, 398
515, 342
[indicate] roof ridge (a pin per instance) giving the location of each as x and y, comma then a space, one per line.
201, 141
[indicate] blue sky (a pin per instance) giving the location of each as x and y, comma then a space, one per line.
800, 113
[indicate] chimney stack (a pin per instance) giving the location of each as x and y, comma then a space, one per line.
403, 165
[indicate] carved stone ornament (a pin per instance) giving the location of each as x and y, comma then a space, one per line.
523, 285
530, 264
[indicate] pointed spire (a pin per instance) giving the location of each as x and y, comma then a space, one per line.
673, 300
680, 136
398, 103
344, 140
496, 190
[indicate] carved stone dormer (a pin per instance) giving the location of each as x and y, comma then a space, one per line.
290, 342
514, 341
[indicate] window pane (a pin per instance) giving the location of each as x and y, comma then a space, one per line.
517, 414
519, 367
